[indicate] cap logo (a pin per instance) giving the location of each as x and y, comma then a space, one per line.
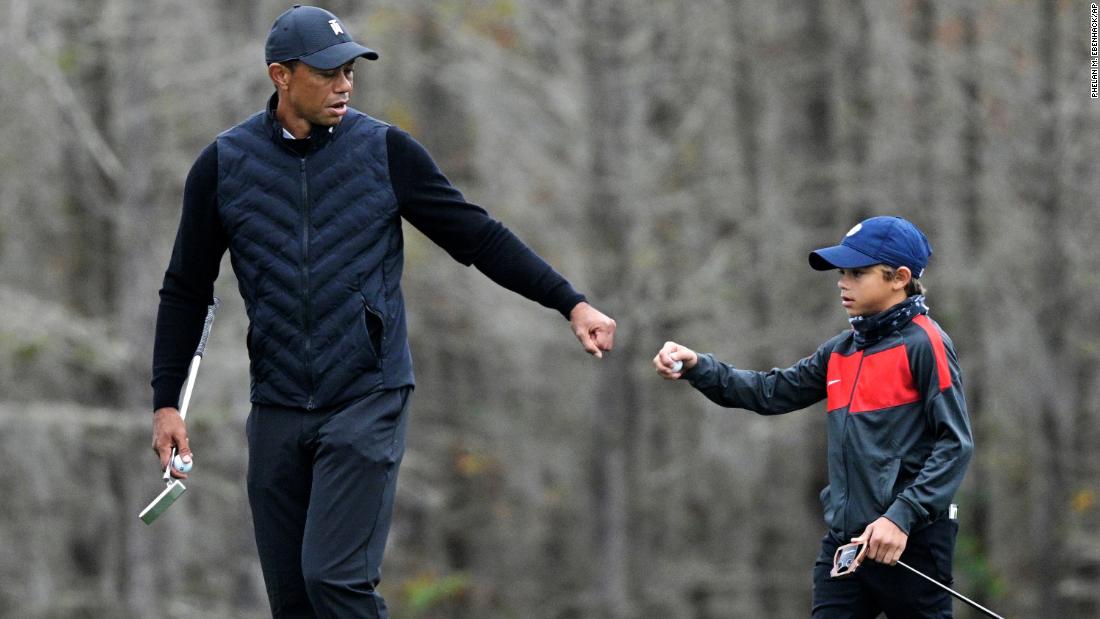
337, 29
856, 228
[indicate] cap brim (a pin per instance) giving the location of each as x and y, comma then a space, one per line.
840, 257
338, 55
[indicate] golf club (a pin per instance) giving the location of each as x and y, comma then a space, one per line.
175, 487
844, 565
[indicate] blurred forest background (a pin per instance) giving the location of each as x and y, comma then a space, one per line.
676, 160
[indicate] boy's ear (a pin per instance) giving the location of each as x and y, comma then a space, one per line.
902, 278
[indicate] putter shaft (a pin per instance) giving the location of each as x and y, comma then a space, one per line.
175, 487
956, 594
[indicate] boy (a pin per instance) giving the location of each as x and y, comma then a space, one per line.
898, 432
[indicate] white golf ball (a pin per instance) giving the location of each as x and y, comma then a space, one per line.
677, 365
180, 465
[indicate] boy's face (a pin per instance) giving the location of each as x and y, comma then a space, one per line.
866, 291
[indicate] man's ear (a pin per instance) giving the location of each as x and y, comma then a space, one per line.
902, 277
279, 74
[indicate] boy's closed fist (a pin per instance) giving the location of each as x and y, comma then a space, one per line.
673, 360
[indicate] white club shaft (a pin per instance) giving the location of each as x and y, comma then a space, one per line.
188, 387
951, 591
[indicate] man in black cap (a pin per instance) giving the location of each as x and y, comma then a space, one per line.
308, 197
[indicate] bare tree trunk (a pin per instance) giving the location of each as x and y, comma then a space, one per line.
745, 89
94, 225
976, 516
133, 123
1052, 495
610, 223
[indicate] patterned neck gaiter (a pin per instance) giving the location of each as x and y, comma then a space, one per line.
870, 329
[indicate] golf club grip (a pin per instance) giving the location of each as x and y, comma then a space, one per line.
210, 311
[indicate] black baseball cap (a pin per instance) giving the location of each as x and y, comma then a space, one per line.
314, 36
879, 240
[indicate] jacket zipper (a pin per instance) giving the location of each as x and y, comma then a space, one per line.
306, 318
844, 442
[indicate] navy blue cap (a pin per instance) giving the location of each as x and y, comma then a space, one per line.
879, 240
314, 36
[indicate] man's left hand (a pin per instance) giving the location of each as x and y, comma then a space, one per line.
594, 329
882, 541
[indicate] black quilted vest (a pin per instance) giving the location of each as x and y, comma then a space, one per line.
315, 242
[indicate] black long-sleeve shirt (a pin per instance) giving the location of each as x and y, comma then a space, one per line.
425, 198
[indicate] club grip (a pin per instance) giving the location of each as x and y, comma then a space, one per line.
210, 311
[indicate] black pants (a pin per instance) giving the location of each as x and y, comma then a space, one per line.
878, 588
321, 484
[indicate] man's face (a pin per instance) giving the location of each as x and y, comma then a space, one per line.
318, 96
866, 291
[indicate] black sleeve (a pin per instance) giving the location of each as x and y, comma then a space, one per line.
435, 207
768, 393
189, 281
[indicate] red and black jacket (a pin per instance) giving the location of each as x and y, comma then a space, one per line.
899, 434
